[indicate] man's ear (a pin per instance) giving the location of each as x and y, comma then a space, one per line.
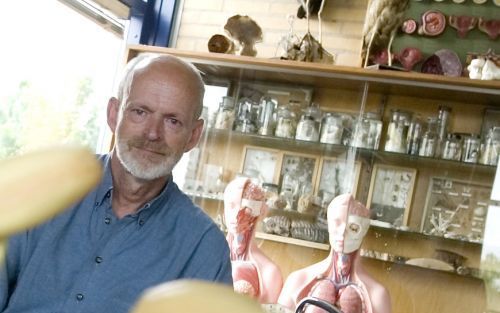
195, 135
112, 113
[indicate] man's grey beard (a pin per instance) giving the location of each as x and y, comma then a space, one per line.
143, 170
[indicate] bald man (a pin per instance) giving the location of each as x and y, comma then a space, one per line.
136, 229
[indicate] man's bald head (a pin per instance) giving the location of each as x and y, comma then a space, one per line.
168, 64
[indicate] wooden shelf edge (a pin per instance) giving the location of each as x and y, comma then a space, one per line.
293, 241
396, 259
345, 72
369, 254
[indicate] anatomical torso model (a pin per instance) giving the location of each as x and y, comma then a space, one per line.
339, 279
254, 274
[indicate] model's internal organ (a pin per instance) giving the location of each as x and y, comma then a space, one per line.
433, 23
463, 24
347, 297
245, 278
409, 57
484, 69
409, 26
490, 27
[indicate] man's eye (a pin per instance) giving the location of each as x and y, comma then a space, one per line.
137, 115
138, 112
173, 123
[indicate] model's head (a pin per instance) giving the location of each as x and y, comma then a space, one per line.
244, 204
156, 115
348, 223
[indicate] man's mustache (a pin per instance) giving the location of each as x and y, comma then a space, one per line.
148, 145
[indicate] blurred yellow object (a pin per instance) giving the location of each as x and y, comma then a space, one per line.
36, 186
193, 296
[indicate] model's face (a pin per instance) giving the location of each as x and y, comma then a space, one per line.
156, 124
346, 234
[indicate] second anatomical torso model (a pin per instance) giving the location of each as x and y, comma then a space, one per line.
339, 279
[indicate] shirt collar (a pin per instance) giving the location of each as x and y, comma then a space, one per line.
105, 188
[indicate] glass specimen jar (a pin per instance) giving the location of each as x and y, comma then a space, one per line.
308, 127
397, 132
225, 115
285, 122
452, 147
470, 150
332, 128
429, 139
490, 147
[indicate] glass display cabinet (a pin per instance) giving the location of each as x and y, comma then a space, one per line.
419, 150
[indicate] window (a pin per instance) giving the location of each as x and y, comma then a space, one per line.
58, 70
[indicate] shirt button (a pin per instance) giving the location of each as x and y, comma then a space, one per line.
141, 222
98, 259
79, 297
107, 220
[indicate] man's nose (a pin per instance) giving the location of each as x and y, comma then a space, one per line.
154, 129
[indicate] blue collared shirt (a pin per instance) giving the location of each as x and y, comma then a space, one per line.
88, 260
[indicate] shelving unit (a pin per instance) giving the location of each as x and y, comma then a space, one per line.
356, 91
322, 148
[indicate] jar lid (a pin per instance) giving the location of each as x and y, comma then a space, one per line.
332, 114
444, 108
455, 136
307, 117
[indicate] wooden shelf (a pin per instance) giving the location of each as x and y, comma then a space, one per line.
241, 68
204, 195
386, 257
395, 232
332, 149
293, 241
371, 254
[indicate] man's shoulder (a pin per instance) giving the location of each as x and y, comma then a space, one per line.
191, 213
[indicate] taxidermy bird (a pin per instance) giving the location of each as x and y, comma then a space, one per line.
314, 7
383, 19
